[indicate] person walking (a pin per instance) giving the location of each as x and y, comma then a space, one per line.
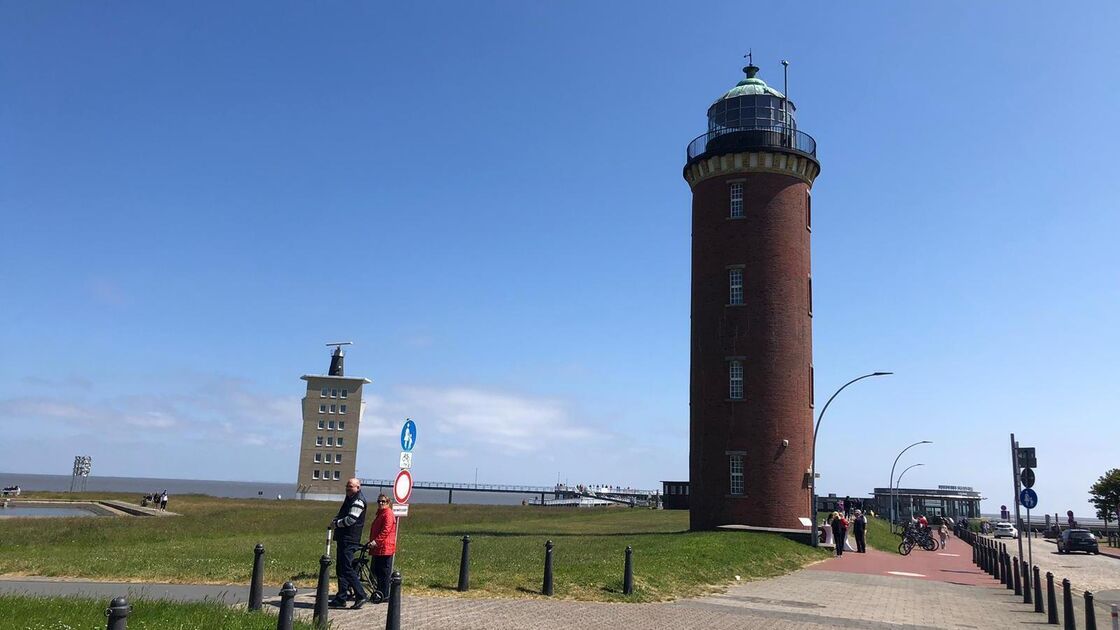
383, 544
860, 530
348, 524
838, 531
163, 502
943, 534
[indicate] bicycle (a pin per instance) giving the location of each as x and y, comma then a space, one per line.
916, 536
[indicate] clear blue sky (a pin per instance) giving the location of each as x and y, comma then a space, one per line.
487, 199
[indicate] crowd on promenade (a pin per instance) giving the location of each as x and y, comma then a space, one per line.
834, 528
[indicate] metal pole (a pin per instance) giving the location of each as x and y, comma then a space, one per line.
628, 572
393, 614
1015, 477
465, 566
287, 607
1051, 600
256, 585
1030, 552
118, 612
1067, 606
546, 587
813, 459
1037, 591
322, 592
891, 486
1090, 612
1015, 575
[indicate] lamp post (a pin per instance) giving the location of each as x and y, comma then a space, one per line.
813, 461
890, 486
898, 482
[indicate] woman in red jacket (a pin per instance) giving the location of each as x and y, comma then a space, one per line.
383, 544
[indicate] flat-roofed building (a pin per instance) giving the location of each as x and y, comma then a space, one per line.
332, 413
955, 502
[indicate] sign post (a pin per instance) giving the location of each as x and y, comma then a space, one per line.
1029, 499
1017, 457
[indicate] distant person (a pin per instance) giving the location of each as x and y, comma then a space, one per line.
383, 544
163, 502
859, 528
347, 526
923, 522
943, 534
839, 531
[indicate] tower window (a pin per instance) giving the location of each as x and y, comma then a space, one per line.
812, 384
344, 393
323, 394
332, 408
341, 425
330, 441
340, 441
315, 474
334, 393
736, 200
810, 296
318, 458
735, 286
336, 475
735, 466
342, 409
735, 373
808, 211
330, 425
322, 409
318, 440
320, 424
338, 458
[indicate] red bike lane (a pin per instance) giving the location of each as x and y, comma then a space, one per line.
952, 564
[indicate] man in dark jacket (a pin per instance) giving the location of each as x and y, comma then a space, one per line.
348, 534
860, 529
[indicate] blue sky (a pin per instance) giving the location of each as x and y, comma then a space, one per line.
487, 199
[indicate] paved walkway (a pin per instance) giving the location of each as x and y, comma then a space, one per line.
873, 590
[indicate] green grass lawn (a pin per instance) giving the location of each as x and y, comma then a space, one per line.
213, 540
69, 613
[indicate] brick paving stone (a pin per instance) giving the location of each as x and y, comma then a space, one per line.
813, 598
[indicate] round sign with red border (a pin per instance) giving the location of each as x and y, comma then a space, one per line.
402, 487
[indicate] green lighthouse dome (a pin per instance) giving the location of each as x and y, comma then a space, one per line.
750, 86
752, 104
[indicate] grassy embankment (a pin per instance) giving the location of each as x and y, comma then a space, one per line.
212, 542
69, 613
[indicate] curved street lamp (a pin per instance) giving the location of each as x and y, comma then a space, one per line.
890, 485
898, 482
813, 461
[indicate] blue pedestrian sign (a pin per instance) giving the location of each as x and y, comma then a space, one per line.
408, 435
1028, 498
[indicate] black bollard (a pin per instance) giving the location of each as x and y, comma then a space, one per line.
118, 612
628, 573
393, 615
322, 592
465, 566
1067, 606
256, 585
287, 607
1027, 599
1090, 612
546, 588
1037, 591
1051, 600
1015, 575
997, 561
1007, 572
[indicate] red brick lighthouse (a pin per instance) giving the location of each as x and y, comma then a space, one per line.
751, 383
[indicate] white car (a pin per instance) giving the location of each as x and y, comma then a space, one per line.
1003, 528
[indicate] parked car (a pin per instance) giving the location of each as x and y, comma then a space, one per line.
1078, 540
1003, 528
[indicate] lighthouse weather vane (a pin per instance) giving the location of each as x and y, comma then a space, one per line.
749, 56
